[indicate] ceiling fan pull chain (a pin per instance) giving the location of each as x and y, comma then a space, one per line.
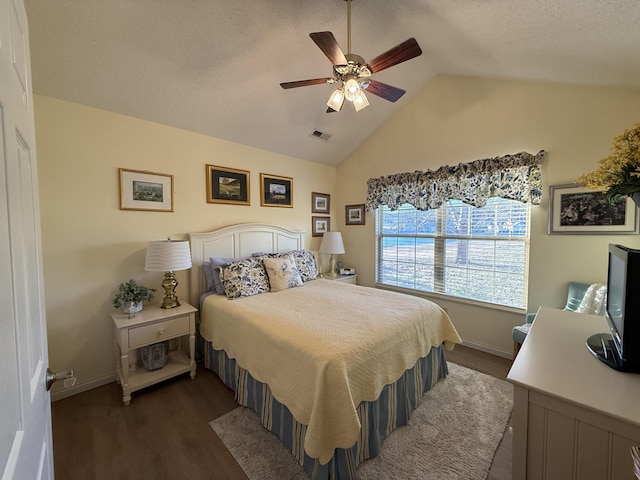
348, 26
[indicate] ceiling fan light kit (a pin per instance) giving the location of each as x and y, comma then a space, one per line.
352, 72
336, 100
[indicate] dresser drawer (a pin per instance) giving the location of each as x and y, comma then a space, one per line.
159, 331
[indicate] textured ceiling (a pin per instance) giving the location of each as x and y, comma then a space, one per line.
214, 67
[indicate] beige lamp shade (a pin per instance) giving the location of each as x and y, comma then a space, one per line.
167, 256
332, 243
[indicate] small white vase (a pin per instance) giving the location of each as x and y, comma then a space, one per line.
132, 308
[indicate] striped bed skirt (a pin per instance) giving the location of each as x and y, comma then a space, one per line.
392, 409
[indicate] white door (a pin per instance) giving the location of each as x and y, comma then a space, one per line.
25, 409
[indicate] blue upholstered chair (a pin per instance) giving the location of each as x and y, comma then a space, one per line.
574, 298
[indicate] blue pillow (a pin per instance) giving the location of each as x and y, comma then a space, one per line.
208, 275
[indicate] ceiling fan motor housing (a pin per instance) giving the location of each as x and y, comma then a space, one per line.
356, 68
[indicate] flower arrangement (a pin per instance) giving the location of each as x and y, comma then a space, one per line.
131, 292
619, 173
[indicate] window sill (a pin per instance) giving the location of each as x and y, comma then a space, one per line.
438, 296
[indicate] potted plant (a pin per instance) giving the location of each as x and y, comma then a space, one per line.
130, 297
619, 173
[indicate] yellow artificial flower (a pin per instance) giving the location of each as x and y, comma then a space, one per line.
619, 173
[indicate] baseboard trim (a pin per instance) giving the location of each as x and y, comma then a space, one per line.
82, 387
487, 349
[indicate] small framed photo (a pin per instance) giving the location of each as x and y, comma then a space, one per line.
319, 225
276, 191
227, 185
142, 190
354, 214
320, 203
575, 209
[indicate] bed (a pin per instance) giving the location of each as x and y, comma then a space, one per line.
330, 368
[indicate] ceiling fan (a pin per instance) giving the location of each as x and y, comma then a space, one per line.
352, 73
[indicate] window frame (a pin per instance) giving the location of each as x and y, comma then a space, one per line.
440, 237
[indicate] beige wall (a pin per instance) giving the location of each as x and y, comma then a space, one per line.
454, 120
90, 245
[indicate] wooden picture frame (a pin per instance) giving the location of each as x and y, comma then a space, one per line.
144, 190
354, 214
320, 225
228, 185
320, 203
575, 209
276, 191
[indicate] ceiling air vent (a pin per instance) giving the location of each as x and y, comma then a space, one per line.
320, 135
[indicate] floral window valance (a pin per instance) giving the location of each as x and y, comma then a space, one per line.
516, 177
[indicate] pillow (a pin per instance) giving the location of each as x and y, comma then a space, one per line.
208, 275
282, 273
306, 264
244, 278
216, 263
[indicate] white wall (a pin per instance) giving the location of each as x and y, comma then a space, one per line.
457, 120
90, 245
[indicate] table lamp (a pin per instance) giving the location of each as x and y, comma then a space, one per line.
168, 256
332, 244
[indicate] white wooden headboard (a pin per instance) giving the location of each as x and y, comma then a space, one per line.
236, 241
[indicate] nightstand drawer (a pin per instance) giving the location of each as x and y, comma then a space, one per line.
159, 331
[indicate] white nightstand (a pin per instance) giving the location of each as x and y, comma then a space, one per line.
343, 279
152, 325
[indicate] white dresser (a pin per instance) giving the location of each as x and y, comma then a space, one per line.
573, 416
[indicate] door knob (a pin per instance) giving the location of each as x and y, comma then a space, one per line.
54, 377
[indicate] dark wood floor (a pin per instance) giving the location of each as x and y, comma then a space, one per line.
480, 361
165, 432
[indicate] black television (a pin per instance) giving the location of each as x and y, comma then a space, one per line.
620, 349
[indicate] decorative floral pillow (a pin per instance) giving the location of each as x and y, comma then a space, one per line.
306, 263
244, 278
216, 263
282, 272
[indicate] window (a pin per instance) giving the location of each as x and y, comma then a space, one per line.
457, 250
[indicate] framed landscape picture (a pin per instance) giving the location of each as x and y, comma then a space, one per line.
354, 215
276, 191
142, 190
320, 203
227, 185
575, 209
319, 225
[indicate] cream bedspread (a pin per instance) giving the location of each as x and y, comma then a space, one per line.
325, 347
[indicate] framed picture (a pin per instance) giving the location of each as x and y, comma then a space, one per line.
276, 191
227, 185
320, 203
319, 225
575, 209
141, 190
354, 214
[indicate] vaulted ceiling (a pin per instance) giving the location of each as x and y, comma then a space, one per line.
214, 67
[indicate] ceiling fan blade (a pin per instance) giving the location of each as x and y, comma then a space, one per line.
329, 46
388, 92
331, 110
304, 83
400, 53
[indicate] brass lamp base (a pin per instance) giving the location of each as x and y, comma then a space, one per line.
169, 284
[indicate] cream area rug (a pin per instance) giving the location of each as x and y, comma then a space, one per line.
454, 434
